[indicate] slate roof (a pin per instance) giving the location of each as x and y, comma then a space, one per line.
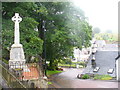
105, 60
100, 42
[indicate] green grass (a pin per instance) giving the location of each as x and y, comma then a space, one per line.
49, 72
68, 65
102, 77
49, 83
73, 64
17, 69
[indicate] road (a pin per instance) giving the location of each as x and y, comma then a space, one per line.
68, 79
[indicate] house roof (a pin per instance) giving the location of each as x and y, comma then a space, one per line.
105, 60
101, 42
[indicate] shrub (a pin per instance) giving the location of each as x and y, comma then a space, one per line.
85, 76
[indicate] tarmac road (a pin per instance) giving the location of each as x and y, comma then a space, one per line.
68, 79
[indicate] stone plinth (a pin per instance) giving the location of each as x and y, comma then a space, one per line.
16, 52
17, 58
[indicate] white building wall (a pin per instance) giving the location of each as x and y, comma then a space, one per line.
81, 55
118, 69
77, 54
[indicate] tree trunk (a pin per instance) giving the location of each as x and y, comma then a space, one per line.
51, 67
28, 58
41, 35
41, 29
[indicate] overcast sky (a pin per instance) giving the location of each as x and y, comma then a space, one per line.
100, 13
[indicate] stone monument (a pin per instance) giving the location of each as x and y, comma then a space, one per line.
17, 58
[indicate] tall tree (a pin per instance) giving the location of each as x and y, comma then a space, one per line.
59, 25
28, 35
66, 27
109, 31
96, 30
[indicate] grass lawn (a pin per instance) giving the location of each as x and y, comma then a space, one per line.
49, 72
49, 83
67, 65
103, 77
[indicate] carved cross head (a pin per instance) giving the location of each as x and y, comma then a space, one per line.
16, 18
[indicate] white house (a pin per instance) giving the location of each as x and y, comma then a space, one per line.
100, 43
76, 54
81, 55
118, 68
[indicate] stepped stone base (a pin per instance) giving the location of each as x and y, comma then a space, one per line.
18, 64
17, 58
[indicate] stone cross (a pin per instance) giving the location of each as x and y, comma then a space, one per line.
16, 19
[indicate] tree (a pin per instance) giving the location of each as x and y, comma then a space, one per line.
54, 27
66, 27
109, 31
96, 30
32, 44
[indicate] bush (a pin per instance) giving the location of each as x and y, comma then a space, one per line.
85, 76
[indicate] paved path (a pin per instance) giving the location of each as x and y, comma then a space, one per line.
68, 79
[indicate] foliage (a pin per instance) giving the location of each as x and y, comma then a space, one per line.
34, 46
96, 30
65, 28
107, 36
48, 29
54, 65
28, 35
109, 31
49, 72
103, 77
85, 76
81, 63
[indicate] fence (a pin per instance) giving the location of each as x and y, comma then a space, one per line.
20, 79
11, 80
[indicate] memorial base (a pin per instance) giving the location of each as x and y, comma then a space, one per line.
17, 58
